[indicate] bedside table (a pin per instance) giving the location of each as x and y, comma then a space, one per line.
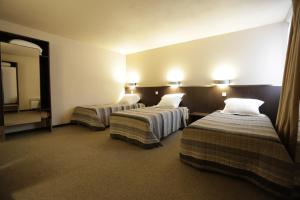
194, 116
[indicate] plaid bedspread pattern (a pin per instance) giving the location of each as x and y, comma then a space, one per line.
245, 143
148, 125
98, 115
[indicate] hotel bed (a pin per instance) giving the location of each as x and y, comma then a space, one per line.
146, 127
244, 146
97, 116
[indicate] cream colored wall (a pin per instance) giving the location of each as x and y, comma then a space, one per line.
254, 56
28, 78
81, 74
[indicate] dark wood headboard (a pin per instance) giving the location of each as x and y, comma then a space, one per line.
209, 99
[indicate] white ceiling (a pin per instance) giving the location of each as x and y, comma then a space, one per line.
128, 26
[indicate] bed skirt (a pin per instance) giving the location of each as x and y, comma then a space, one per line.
135, 142
89, 125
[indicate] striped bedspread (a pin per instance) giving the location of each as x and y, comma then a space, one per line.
147, 126
297, 160
243, 146
97, 116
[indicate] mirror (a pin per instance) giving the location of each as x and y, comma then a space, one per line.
20, 67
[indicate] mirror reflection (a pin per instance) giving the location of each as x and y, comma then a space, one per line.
21, 84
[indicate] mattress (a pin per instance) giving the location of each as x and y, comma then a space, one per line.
243, 146
147, 126
97, 116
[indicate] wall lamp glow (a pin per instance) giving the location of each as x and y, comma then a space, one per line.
174, 84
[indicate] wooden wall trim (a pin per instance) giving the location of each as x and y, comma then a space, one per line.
209, 99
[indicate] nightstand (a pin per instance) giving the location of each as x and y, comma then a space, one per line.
194, 116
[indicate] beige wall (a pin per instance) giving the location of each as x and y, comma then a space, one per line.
28, 78
81, 74
254, 56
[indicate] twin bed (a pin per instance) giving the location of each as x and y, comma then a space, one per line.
97, 116
147, 126
244, 146
241, 142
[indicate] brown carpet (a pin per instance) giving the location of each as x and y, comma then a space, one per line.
74, 162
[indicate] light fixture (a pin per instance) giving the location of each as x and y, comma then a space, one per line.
174, 84
131, 85
222, 82
223, 85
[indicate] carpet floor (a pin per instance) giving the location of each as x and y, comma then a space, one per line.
74, 162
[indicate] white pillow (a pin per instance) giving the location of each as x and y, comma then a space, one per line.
242, 106
130, 99
26, 44
171, 100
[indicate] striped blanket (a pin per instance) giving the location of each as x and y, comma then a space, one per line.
97, 116
297, 161
147, 126
242, 146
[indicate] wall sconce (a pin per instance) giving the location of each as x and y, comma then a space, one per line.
222, 84
174, 84
131, 85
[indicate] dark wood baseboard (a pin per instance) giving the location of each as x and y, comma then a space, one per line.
35, 109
